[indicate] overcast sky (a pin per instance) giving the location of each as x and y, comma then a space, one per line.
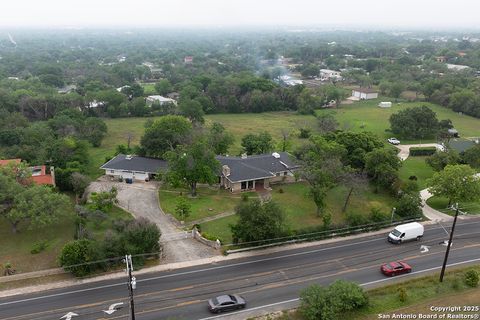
141, 13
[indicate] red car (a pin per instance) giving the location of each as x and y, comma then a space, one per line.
394, 268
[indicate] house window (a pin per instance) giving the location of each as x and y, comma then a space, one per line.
285, 173
278, 174
112, 171
250, 184
243, 186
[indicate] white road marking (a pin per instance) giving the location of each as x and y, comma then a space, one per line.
362, 284
204, 270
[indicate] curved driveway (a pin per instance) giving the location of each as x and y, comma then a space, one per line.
141, 200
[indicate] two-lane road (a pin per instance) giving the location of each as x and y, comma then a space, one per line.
263, 280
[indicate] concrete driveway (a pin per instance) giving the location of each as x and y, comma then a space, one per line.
141, 200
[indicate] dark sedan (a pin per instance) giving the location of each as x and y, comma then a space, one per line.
395, 268
226, 302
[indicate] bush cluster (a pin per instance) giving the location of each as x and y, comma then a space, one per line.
422, 151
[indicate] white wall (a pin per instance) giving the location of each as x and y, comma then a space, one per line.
140, 176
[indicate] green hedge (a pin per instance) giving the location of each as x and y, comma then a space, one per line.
422, 151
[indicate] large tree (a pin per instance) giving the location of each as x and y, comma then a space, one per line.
192, 164
165, 134
219, 138
258, 221
382, 167
257, 144
321, 167
36, 205
415, 123
472, 157
456, 183
192, 110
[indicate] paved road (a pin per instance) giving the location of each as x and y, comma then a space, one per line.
141, 199
272, 280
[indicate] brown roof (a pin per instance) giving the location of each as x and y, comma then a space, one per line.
366, 90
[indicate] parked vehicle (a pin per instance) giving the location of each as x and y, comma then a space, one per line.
394, 268
227, 302
394, 141
405, 232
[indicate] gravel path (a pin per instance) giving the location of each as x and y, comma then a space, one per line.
141, 200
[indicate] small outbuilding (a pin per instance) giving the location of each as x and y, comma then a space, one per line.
364, 93
385, 104
134, 167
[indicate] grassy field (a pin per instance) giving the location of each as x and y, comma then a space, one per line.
441, 203
237, 124
16, 248
208, 202
300, 209
422, 293
149, 88
367, 116
416, 166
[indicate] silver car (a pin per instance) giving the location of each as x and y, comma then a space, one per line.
226, 302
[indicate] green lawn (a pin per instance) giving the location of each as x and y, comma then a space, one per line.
220, 228
441, 203
416, 166
149, 88
209, 201
15, 248
367, 116
300, 209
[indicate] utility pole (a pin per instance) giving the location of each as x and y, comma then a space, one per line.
132, 284
442, 273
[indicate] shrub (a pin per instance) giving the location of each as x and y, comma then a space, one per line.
77, 257
422, 151
402, 294
304, 133
327, 220
244, 197
410, 186
409, 205
320, 303
39, 247
280, 190
471, 278
355, 219
376, 215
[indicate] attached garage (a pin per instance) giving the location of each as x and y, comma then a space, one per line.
134, 167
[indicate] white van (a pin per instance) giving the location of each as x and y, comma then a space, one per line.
405, 232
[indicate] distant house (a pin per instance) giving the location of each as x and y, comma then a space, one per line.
327, 75
133, 167
364, 93
441, 59
173, 95
457, 67
256, 172
67, 89
95, 104
188, 59
39, 173
160, 100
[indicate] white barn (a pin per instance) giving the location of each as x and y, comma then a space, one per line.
133, 167
364, 93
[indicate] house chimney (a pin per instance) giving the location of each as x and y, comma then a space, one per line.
128, 157
225, 170
244, 155
276, 155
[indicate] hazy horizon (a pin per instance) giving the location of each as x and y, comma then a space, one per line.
366, 14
